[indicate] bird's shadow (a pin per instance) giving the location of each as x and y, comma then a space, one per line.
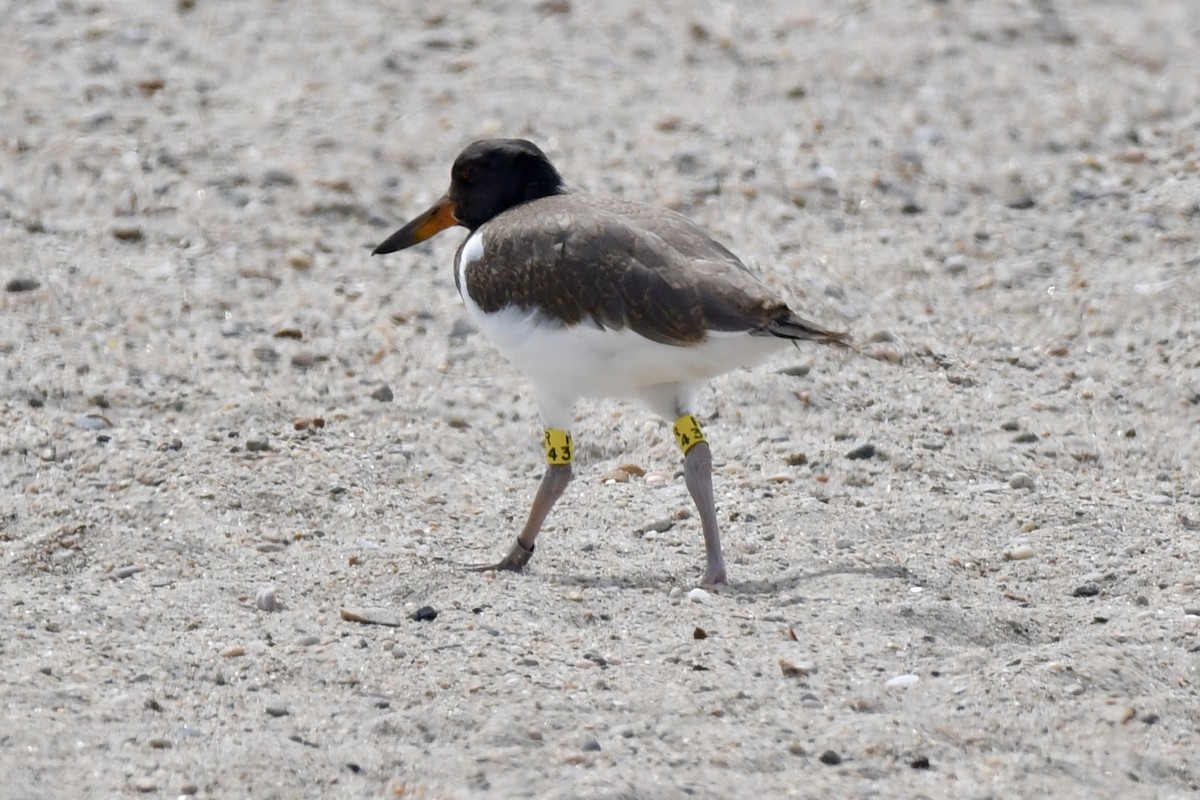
790, 580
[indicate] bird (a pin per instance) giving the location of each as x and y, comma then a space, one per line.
593, 296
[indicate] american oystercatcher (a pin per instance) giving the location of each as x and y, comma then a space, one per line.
601, 297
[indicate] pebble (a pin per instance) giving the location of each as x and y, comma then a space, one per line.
1020, 480
699, 596
258, 445
902, 681
277, 709
955, 264
1025, 438
21, 285
1086, 590
233, 651
126, 572
425, 614
127, 232
862, 451
796, 669
145, 785
383, 394
265, 599
1160, 500
91, 422
1020, 552
831, 758
657, 526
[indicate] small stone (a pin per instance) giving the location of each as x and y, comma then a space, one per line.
425, 614
265, 599
902, 681
127, 232
91, 422
699, 633
1020, 480
657, 526
258, 445
1010, 425
920, 762
383, 394
1160, 500
298, 259
831, 758
1086, 590
21, 285
796, 459
233, 651
1021, 552
1021, 202
591, 746
1025, 438
796, 669
159, 744
861, 452
277, 710
955, 264
267, 355
145, 785
699, 596
126, 572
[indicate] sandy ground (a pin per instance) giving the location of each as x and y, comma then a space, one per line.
1002, 600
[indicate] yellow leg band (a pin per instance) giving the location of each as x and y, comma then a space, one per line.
688, 433
559, 447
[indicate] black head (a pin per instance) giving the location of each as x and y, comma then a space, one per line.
491, 176
488, 178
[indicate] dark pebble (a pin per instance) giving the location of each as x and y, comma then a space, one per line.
862, 451
21, 285
699, 633
920, 762
831, 758
1086, 590
383, 394
1025, 438
1150, 718
258, 445
591, 746
1022, 203
1010, 425
277, 711
425, 614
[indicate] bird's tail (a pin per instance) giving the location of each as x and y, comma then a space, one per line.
790, 326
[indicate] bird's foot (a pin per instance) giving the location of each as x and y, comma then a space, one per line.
515, 561
715, 576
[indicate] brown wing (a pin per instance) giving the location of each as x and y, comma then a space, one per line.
618, 265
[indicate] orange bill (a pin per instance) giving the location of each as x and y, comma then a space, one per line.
439, 217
